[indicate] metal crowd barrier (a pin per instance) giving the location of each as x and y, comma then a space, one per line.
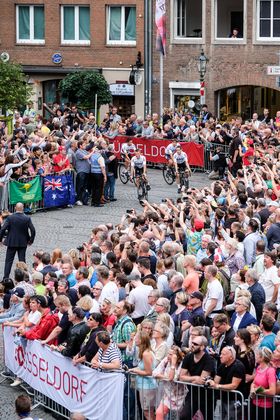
189, 401
39, 205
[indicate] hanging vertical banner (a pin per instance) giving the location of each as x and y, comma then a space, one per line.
161, 26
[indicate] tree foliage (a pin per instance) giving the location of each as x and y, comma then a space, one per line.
14, 91
81, 87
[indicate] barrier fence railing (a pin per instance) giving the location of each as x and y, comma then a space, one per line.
149, 398
154, 151
33, 206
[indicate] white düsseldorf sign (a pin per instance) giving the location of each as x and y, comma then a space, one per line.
96, 394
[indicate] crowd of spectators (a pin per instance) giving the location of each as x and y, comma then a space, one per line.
70, 139
185, 290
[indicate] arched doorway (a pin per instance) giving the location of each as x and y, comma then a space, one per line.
245, 100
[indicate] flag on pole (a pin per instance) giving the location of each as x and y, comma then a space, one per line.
161, 26
27, 192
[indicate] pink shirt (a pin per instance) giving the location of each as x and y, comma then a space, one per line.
263, 379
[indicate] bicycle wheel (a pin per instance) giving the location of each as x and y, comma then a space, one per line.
142, 192
168, 175
186, 182
123, 174
182, 178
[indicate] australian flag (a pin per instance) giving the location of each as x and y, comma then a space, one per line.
58, 191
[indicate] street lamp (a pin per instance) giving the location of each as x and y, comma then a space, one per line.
202, 70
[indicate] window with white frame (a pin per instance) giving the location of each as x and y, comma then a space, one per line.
30, 24
121, 25
75, 25
229, 16
268, 21
188, 19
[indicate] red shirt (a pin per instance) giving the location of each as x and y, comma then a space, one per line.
60, 158
109, 320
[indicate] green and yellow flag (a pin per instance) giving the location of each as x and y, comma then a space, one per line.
25, 192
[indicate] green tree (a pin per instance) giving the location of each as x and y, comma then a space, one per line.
81, 87
14, 91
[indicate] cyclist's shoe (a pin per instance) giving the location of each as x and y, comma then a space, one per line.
179, 190
148, 187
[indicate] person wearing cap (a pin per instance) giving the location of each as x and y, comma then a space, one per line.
21, 233
76, 334
46, 324
195, 309
273, 233
193, 237
16, 310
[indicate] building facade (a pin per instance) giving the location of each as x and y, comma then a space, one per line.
54, 37
236, 80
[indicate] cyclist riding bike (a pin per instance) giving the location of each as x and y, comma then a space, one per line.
170, 151
181, 164
127, 151
139, 168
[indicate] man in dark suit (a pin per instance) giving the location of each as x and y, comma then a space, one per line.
20, 232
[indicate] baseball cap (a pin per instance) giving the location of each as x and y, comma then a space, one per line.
197, 295
19, 292
198, 224
218, 126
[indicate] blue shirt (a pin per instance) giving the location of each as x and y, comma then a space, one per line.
71, 280
268, 341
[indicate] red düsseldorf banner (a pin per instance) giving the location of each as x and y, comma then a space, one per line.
79, 388
154, 149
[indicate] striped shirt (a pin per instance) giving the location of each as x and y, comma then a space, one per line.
112, 353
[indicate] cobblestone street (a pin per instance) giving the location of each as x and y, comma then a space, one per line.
69, 228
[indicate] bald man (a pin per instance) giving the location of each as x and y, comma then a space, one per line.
18, 231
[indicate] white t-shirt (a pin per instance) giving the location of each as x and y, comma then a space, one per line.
34, 317
214, 291
139, 298
268, 279
111, 292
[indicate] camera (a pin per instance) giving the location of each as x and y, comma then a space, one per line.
207, 381
129, 211
80, 248
164, 200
